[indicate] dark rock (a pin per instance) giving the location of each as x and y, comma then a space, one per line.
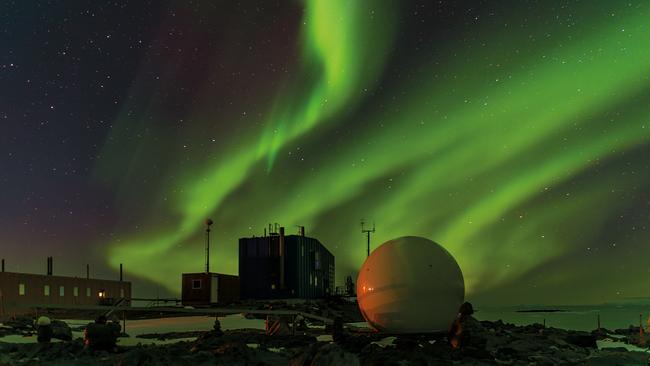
626, 331
334, 355
61, 330
355, 343
617, 359
322, 355
20, 323
601, 333
614, 349
406, 344
171, 335
582, 339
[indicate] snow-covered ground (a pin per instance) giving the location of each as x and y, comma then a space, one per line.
161, 325
230, 322
613, 344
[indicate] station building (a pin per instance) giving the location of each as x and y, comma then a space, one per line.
279, 266
21, 291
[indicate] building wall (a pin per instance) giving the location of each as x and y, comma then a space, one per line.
259, 268
308, 268
228, 289
196, 296
61, 290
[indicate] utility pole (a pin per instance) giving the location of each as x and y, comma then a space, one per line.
367, 232
208, 223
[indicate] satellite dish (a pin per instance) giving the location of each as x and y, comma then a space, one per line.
410, 285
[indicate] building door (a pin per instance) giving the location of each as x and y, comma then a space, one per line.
214, 289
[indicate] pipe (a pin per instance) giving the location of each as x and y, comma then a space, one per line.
281, 257
120, 272
3, 264
87, 271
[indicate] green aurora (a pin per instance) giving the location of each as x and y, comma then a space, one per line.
517, 144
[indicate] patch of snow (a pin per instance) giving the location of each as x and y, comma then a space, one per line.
385, 342
362, 325
324, 338
611, 344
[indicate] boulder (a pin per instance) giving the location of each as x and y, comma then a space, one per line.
325, 355
582, 339
61, 330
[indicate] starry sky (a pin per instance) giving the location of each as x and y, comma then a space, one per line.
514, 133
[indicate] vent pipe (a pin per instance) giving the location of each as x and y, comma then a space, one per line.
3, 264
87, 271
281, 257
120, 272
302, 231
49, 266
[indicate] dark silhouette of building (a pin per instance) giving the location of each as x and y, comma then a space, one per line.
285, 266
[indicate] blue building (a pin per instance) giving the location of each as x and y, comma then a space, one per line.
280, 266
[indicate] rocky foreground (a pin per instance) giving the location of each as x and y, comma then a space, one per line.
504, 344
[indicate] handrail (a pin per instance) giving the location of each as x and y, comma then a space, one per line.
206, 311
114, 307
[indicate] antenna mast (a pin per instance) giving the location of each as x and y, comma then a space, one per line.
208, 223
367, 231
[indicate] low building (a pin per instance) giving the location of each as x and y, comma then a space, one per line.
285, 266
19, 291
207, 289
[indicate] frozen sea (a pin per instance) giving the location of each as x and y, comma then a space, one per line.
577, 317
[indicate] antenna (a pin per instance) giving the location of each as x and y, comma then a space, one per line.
301, 230
208, 223
367, 231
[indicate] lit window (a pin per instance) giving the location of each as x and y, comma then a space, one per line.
311, 279
273, 286
122, 292
61, 291
46, 290
302, 250
21, 289
87, 291
75, 291
196, 284
316, 281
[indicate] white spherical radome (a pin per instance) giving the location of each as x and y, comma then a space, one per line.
410, 285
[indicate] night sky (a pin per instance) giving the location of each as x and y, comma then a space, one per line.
514, 133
